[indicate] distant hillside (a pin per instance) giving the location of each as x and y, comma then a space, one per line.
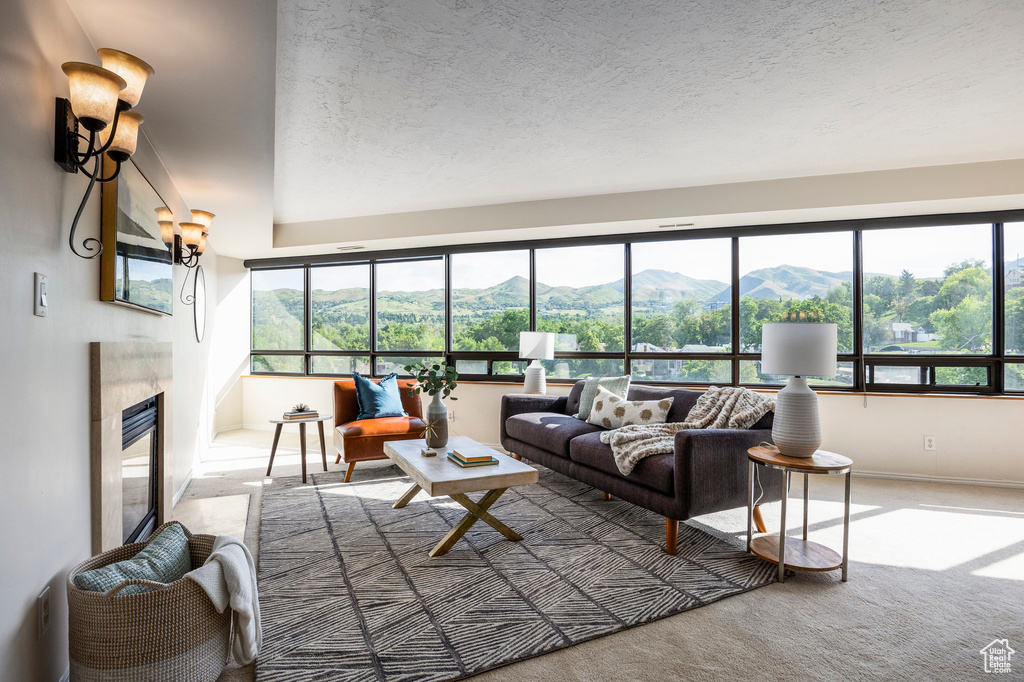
653, 291
662, 285
789, 282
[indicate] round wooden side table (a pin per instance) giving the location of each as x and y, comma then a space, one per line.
302, 439
800, 555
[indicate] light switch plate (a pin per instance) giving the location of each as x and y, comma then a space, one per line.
39, 295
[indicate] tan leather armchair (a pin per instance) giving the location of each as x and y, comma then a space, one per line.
362, 440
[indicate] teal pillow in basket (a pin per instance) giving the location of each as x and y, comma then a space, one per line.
378, 400
164, 560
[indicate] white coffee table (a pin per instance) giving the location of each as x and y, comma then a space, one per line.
438, 476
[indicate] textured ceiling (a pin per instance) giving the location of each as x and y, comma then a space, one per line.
387, 106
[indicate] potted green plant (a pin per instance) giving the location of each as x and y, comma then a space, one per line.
438, 381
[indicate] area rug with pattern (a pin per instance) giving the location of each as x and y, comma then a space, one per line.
348, 592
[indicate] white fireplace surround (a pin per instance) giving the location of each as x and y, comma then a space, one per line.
124, 374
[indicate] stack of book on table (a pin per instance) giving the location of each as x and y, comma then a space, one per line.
305, 414
471, 456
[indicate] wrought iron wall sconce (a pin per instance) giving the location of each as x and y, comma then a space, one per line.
101, 102
189, 243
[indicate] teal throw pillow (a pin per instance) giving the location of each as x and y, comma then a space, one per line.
617, 385
378, 400
164, 560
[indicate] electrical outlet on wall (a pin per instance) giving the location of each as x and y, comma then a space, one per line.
43, 612
451, 415
929, 442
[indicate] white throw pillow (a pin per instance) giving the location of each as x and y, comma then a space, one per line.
612, 412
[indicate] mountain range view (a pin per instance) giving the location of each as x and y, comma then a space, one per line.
652, 290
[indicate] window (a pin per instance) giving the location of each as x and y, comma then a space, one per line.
937, 316
750, 373
340, 302
278, 309
277, 364
681, 299
1014, 376
928, 290
386, 364
1013, 286
579, 297
340, 364
410, 305
490, 301
682, 370
796, 276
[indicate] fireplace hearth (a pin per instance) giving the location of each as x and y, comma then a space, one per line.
131, 426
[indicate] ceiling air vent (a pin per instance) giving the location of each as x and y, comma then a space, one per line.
353, 247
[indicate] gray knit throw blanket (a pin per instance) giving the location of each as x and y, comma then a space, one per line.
727, 407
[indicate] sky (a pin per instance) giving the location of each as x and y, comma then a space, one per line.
925, 252
143, 270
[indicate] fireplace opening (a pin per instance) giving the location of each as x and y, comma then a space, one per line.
139, 478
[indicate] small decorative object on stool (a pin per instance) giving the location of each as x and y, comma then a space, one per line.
536, 346
799, 349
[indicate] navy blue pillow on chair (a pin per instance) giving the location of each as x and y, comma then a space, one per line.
378, 400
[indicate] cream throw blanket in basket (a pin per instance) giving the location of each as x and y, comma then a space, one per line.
725, 407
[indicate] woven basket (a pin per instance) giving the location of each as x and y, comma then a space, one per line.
170, 633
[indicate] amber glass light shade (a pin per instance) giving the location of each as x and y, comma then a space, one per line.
204, 218
164, 214
191, 233
133, 70
125, 136
94, 94
202, 244
166, 231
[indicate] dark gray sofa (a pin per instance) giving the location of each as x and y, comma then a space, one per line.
706, 473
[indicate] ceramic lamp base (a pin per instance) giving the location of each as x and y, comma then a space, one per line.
536, 382
797, 428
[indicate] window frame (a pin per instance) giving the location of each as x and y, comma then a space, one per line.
861, 361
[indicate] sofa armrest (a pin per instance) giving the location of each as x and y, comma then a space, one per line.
711, 469
522, 403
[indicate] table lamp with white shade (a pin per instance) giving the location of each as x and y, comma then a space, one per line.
799, 349
536, 346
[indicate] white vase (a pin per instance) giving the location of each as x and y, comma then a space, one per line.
437, 414
797, 428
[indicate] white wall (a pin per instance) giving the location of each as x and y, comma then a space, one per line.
44, 362
977, 438
230, 354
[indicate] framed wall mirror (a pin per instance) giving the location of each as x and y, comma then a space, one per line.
136, 267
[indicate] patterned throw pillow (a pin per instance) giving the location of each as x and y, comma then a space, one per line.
164, 559
617, 385
612, 411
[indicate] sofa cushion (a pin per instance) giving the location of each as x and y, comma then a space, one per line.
612, 411
382, 426
572, 401
683, 402
615, 385
548, 430
656, 472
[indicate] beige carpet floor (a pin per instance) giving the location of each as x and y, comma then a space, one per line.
936, 573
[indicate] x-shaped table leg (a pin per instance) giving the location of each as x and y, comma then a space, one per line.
476, 511
407, 497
